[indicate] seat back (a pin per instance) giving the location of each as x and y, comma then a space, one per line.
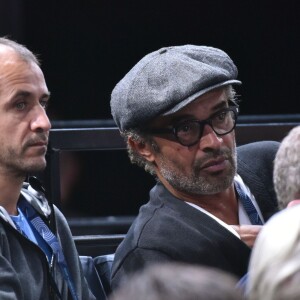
96, 262
92, 277
96, 245
103, 265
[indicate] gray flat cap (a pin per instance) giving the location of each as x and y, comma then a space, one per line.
168, 79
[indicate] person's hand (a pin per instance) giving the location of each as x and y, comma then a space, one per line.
293, 203
248, 233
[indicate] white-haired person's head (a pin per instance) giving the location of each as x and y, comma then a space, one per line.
274, 269
178, 281
287, 169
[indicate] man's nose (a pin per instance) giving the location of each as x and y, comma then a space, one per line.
40, 120
210, 139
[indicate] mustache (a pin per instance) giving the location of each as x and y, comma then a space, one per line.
39, 138
213, 154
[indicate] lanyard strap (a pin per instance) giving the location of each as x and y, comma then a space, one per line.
248, 205
44, 231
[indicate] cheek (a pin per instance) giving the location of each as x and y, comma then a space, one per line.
229, 140
181, 158
175, 153
13, 135
7, 129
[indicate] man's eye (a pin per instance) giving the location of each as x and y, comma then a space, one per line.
222, 116
44, 103
186, 128
20, 105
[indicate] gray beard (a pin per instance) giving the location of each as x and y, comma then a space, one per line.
197, 184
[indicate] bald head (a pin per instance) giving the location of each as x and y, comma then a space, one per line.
11, 55
9, 47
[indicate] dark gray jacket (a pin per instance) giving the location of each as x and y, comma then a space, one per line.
24, 270
168, 229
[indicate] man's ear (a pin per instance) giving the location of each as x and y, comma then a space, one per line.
144, 149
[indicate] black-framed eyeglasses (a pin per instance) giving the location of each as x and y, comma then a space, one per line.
189, 132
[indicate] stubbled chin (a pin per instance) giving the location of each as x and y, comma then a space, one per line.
35, 165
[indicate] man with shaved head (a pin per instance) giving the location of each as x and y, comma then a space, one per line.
38, 258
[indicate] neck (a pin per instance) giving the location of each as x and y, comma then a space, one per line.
223, 205
10, 187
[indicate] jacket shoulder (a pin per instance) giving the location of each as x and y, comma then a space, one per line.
255, 166
264, 150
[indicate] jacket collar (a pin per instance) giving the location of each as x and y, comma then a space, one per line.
36, 199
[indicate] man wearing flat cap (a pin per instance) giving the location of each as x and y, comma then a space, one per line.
177, 111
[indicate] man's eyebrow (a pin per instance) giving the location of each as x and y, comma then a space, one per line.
15, 95
177, 119
27, 94
22, 93
215, 108
220, 105
46, 95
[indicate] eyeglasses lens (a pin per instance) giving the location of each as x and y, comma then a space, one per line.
190, 132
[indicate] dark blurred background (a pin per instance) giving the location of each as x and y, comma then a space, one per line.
87, 46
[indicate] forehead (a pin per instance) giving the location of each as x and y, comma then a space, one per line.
10, 60
206, 102
16, 72
201, 108
7, 55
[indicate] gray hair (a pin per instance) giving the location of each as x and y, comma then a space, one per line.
178, 281
286, 174
274, 268
139, 136
24, 53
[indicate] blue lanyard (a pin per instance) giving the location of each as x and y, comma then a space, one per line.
248, 205
46, 234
